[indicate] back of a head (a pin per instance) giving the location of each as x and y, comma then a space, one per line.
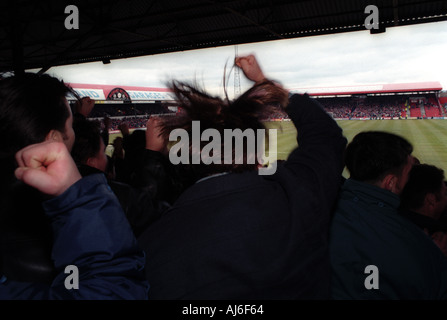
423, 179
31, 105
88, 140
373, 154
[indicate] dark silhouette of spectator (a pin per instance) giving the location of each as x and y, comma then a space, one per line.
49, 211
133, 144
367, 230
128, 148
141, 163
139, 204
424, 200
235, 234
116, 164
105, 132
151, 163
89, 148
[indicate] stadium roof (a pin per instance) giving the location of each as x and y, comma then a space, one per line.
33, 32
371, 89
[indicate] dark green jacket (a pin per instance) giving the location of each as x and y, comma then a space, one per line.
367, 230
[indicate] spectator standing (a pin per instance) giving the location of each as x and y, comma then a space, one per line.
51, 217
424, 201
368, 232
235, 234
140, 205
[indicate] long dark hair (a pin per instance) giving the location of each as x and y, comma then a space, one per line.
245, 112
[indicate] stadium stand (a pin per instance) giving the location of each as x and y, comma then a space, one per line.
391, 101
135, 105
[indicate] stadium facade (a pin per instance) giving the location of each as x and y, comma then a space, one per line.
420, 100
423, 100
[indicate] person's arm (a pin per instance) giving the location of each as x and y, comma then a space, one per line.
251, 68
91, 232
318, 160
124, 128
84, 107
154, 138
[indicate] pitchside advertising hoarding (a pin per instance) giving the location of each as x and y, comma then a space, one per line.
121, 93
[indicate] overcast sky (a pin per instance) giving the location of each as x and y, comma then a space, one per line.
400, 55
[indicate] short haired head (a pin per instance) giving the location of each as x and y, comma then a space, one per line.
31, 105
373, 155
88, 140
424, 179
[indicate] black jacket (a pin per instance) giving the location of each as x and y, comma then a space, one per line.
247, 236
26, 236
139, 204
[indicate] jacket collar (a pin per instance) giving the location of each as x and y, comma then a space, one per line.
219, 185
371, 194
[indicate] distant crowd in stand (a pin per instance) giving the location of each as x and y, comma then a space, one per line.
376, 107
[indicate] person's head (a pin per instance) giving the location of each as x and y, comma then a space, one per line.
380, 158
221, 116
425, 191
89, 148
33, 108
136, 140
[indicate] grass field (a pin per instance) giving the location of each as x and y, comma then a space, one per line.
429, 137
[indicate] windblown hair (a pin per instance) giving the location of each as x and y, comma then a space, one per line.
246, 112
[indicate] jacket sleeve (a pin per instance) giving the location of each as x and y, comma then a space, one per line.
92, 234
318, 160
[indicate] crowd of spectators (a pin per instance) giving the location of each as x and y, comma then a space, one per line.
134, 115
377, 107
371, 107
133, 122
127, 110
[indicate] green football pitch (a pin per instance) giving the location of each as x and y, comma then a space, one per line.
428, 137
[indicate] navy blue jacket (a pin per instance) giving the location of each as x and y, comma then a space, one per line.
368, 230
247, 236
90, 231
